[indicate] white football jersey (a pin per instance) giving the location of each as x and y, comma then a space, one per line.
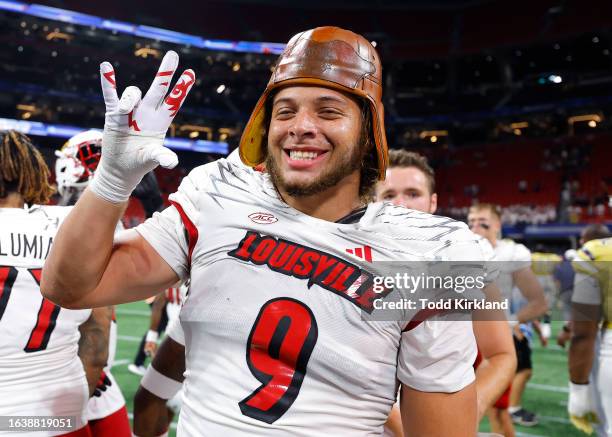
277, 334
40, 372
510, 257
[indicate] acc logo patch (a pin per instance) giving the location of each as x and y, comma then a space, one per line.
264, 218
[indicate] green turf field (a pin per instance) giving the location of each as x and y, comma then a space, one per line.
546, 394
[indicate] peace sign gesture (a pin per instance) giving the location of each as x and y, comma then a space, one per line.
135, 128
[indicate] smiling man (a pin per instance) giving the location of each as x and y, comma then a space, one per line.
277, 328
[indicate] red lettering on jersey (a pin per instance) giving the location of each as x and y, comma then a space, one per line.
328, 271
305, 269
242, 251
263, 250
334, 273
293, 259
324, 265
345, 279
281, 254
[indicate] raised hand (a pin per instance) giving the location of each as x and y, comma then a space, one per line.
135, 128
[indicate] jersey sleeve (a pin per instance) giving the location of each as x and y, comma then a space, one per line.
472, 254
175, 331
173, 233
521, 257
437, 356
166, 234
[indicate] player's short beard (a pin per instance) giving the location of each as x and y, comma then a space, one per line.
336, 171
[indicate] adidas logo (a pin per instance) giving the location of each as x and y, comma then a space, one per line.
364, 252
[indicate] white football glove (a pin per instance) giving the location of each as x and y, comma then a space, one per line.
581, 408
135, 128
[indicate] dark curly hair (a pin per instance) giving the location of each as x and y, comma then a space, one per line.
23, 169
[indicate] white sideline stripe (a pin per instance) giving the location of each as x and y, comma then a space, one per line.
129, 338
121, 362
545, 387
133, 312
523, 434
172, 425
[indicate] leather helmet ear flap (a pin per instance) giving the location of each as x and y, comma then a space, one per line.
329, 57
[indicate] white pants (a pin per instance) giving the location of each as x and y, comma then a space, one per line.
602, 373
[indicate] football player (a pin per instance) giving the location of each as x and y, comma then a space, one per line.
159, 396
51, 358
75, 166
279, 338
590, 367
170, 302
514, 262
410, 183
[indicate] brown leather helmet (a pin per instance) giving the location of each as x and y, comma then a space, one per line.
330, 57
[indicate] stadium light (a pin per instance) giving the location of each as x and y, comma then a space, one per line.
145, 52
55, 35
554, 78
195, 131
586, 117
433, 133
220, 89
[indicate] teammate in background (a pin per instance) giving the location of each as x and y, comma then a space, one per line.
149, 194
158, 312
590, 367
410, 182
273, 345
161, 384
564, 279
51, 358
591, 232
514, 261
75, 166
543, 265
159, 395
168, 302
